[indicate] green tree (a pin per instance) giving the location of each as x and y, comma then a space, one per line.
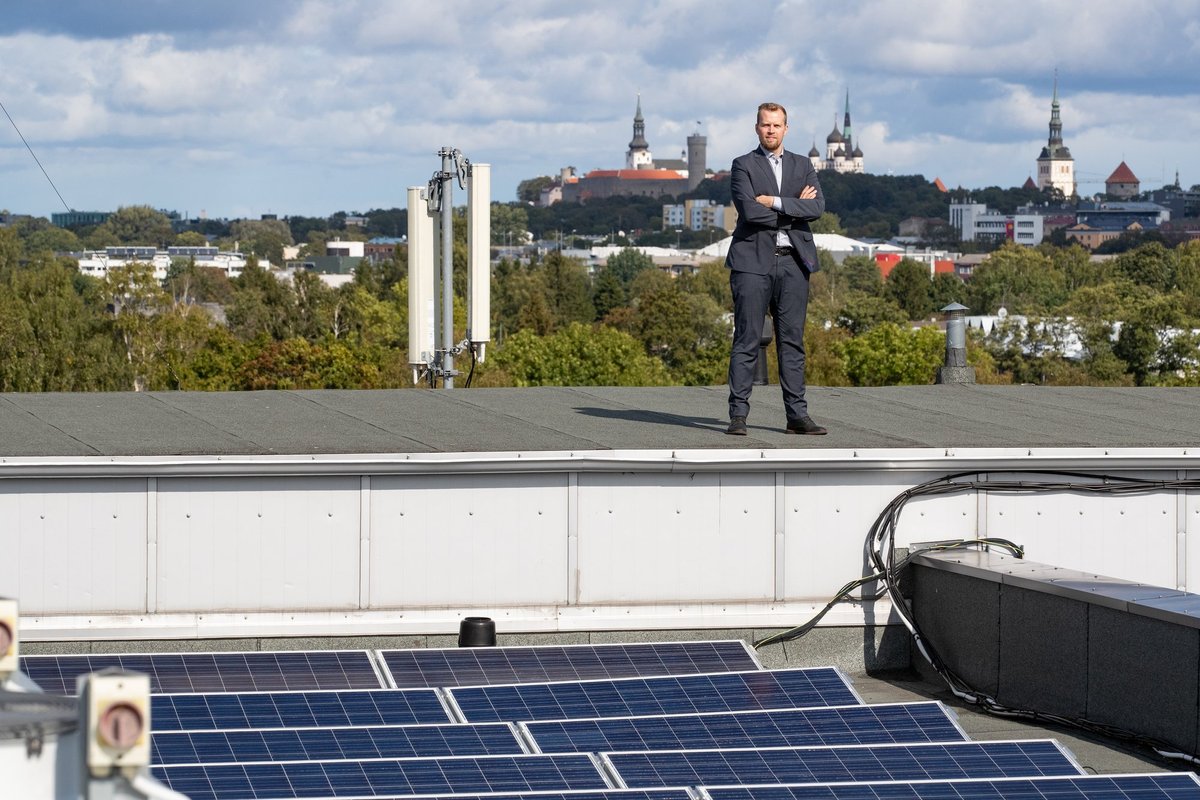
264, 238
530, 189
888, 355
909, 287
1149, 265
137, 225
627, 264
54, 332
510, 224
862, 312
567, 289
1146, 342
578, 355
262, 306
947, 288
828, 222
51, 240
607, 293
1021, 280
191, 239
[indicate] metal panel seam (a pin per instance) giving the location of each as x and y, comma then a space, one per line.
780, 538
364, 542
151, 545
572, 538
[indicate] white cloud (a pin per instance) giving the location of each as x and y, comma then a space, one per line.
248, 115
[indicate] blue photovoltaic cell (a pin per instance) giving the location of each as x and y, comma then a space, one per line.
481, 666
730, 691
606, 794
215, 672
1164, 786
383, 778
324, 744
850, 763
207, 712
897, 722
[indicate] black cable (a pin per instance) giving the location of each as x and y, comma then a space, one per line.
881, 552
471, 373
35, 158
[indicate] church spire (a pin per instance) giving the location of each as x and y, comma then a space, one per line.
846, 123
638, 156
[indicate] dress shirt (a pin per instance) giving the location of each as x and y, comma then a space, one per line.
776, 162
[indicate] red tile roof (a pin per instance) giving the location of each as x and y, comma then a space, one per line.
1122, 174
941, 187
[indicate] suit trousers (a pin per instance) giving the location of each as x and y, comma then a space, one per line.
783, 292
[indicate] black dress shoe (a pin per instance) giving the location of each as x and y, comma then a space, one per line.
737, 426
805, 426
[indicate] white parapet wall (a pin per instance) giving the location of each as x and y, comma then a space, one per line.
175, 547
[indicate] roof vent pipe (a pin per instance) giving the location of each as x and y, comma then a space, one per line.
477, 632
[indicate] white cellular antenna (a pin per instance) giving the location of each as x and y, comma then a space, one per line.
432, 356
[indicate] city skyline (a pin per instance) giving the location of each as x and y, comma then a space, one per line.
308, 108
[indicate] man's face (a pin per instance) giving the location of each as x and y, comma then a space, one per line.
771, 127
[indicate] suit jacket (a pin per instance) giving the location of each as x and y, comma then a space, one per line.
753, 245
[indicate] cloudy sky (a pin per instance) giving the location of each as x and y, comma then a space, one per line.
237, 108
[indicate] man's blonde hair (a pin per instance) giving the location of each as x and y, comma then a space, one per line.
771, 107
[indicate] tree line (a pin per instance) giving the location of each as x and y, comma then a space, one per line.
1129, 319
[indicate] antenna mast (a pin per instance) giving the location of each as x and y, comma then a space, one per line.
430, 355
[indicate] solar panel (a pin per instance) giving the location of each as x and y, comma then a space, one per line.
320, 744
380, 778
481, 666
847, 763
207, 712
679, 793
1160, 786
628, 697
876, 724
216, 672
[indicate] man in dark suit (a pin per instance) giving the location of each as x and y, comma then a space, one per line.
776, 194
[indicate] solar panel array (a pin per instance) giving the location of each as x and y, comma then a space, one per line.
847, 763
676, 721
479, 666
1154, 786
728, 691
320, 744
384, 777
216, 672
891, 722
230, 711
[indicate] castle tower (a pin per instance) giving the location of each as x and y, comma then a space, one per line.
638, 156
1056, 167
697, 155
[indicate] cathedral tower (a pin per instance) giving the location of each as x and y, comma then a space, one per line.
1055, 166
639, 156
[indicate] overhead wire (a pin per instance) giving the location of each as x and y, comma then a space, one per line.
35, 158
881, 549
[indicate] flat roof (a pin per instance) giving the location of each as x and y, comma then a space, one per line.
587, 418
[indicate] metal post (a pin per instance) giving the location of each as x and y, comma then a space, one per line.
955, 370
446, 345
761, 376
